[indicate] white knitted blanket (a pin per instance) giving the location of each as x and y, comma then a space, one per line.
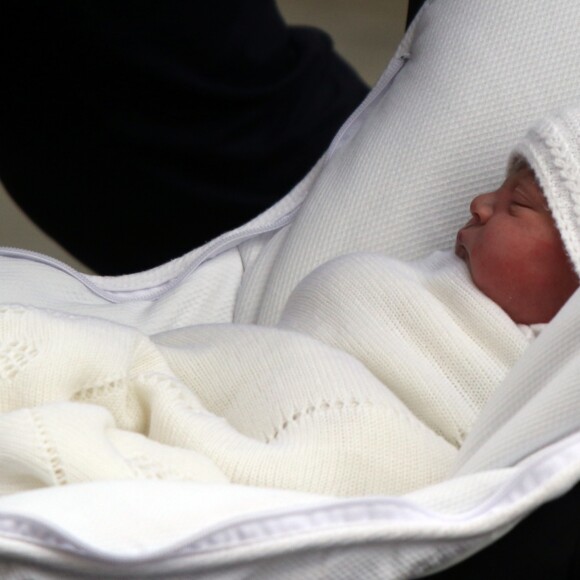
368, 384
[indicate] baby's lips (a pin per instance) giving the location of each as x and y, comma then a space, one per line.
460, 250
472, 222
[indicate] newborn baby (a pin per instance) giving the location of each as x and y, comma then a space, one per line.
368, 384
514, 251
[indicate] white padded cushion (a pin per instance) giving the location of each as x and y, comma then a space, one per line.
478, 74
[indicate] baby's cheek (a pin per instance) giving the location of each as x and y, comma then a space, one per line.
497, 274
491, 263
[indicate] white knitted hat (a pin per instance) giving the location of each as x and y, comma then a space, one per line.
552, 149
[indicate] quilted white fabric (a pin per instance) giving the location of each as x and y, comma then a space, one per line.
467, 81
475, 76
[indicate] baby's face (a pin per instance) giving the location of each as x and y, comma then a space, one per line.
514, 251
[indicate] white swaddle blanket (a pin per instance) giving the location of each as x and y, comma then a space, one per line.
368, 384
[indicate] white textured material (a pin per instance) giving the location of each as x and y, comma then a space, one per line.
477, 74
193, 301
174, 530
471, 76
552, 148
369, 385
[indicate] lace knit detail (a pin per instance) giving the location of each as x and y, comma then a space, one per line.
14, 356
50, 450
552, 148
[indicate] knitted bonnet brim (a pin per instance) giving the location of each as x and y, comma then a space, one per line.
552, 149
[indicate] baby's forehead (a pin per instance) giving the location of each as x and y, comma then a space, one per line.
517, 163
523, 172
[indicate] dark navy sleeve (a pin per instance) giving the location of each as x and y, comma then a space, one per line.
544, 545
133, 131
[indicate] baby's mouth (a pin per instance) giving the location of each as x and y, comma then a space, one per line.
460, 250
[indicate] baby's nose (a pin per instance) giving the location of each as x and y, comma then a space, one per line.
481, 206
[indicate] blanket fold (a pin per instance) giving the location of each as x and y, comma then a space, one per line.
367, 385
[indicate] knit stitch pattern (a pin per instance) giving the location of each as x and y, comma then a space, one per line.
552, 149
369, 384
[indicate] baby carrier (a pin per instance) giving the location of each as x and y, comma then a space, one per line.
468, 78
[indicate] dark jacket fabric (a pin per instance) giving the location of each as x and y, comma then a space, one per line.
135, 131
545, 545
